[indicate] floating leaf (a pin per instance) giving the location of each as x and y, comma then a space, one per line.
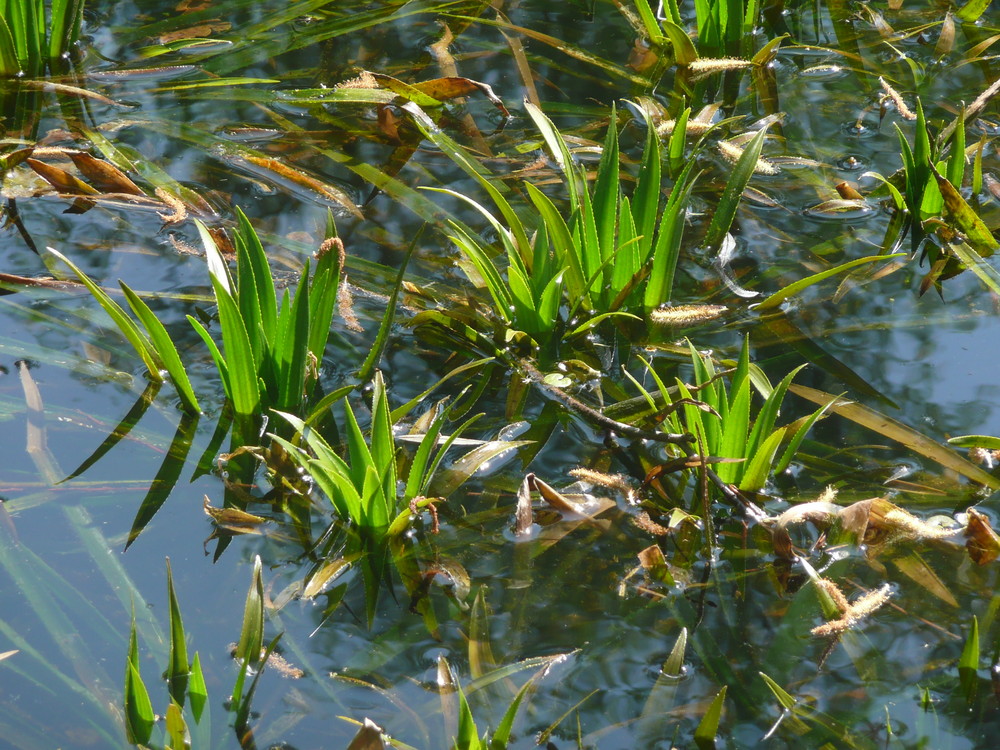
894, 430
982, 541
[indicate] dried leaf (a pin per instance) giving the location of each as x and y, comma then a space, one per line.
454, 86
302, 179
60, 179
982, 541
103, 175
555, 499
369, 737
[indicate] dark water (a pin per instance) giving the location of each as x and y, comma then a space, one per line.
67, 584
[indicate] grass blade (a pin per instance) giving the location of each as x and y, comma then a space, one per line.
725, 211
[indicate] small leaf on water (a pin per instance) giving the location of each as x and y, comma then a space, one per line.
982, 541
523, 517
369, 737
103, 175
231, 517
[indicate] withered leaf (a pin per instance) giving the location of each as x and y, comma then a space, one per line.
231, 517
523, 517
202, 30
982, 541
300, 178
103, 175
554, 498
455, 86
60, 179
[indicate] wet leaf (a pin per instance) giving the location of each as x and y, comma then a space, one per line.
982, 542
914, 567
369, 737
103, 175
894, 430
708, 727
231, 518
967, 220
776, 299
63, 182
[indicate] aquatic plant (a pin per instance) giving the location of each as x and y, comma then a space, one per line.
608, 255
31, 39
187, 720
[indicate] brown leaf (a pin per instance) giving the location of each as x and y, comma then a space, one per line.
201, 31
848, 192
300, 178
451, 87
60, 179
982, 541
231, 518
553, 498
523, 517
103, 175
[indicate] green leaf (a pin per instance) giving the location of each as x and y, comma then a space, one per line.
382, 337
606, 198
139, 715
786, 701
560, 152
725, 211
684, 51
248, 650
141, 344
972, 10
197, 690
239, 359
956, 160
468, 733
9, 66
735, 428
976, 441
758, 467
257, 295
165, 349
970, 652
708, 727
383, 446
796, 287
178, 667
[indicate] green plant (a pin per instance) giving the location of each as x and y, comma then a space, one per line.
611, 255
364, 486
270, 351
29, 41
719, 418
187, 720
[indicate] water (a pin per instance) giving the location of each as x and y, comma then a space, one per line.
569, 593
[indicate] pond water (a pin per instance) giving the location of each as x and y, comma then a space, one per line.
221, 104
